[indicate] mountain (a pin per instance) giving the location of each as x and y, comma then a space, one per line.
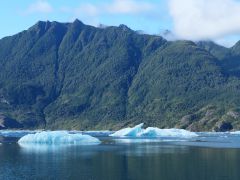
168, 35
74, 76
216, 50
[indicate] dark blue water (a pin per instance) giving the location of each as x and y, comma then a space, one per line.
213, 157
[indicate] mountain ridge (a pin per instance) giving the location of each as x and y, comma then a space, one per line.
75, 76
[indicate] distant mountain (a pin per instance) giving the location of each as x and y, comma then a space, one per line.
75, 76
218, 51
168, 35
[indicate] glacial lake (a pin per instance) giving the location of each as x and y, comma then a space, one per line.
211, 156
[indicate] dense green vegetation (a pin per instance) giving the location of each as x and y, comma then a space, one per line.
74, 76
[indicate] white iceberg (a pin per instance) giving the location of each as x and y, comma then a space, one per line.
138, 131
156, 132
58, 138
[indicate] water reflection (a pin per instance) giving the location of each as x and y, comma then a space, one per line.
39, 149
110, 161
152, 148
42, 148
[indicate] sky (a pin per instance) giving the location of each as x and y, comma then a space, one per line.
216, 20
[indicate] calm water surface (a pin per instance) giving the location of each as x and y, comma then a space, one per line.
209, 157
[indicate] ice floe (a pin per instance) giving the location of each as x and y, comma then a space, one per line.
21, 133
105, 133
17, 133
58, 138
138, 131
235, 132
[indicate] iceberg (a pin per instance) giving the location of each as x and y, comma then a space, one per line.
129, 132
156, 132
152, 132
58, 138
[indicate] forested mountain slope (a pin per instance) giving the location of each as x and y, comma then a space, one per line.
74, 76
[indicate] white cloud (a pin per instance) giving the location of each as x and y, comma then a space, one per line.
115, 7
40, 6
91, 13
87, 9
205, 19
128, 7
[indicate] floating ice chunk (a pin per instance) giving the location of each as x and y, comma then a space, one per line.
138, 131
235, 133
94, 133
16, 133
58, 138
156, 132
129, 132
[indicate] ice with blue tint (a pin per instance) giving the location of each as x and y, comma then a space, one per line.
129, 132
235, 133
58, 138
16, 133
21, 133
94, 133
156, 132
138, 131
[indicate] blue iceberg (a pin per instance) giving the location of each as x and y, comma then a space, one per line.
58, 138
129, 132
152, 132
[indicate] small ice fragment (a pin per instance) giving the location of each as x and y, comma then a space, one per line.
16, 133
